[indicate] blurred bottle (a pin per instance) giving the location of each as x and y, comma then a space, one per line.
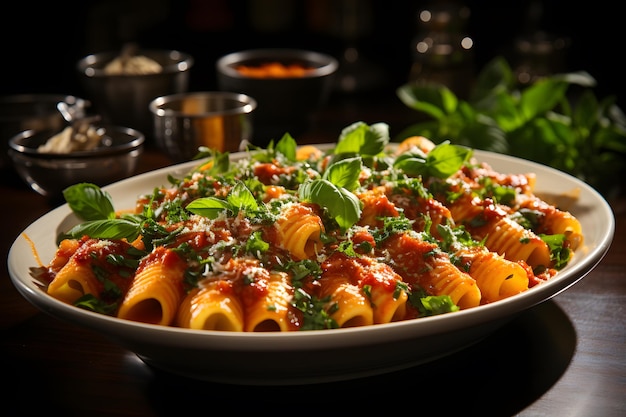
539, 54
349, 23
441, 50
536, 51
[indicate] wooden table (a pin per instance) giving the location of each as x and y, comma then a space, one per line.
565, 357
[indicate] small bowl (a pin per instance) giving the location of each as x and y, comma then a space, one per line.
217, 120
286, 101
22, 112
123, 99
49, 173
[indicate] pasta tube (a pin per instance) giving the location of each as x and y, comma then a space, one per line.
555, 221
272, 311
88, 271
497, 277
156, 290
349, 306
73, 281
386, 292
420, 264
446, 279
489, 222
212, 306
299, 231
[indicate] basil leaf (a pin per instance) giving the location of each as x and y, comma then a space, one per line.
363, 139
287, 146
89, 202
445, 159
343, 206
209, 207
241, 198
344, 173
442, 161
106, 229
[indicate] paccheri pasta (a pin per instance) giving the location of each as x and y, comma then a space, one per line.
293, 238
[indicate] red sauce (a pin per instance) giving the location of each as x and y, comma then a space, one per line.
408, 256
360, 237
267, 173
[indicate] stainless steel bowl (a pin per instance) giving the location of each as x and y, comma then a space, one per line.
22, 112
49, 174
123, 99
214, 119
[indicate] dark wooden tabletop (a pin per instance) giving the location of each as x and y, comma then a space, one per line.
564, 357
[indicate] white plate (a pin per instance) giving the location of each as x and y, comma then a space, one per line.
313, 356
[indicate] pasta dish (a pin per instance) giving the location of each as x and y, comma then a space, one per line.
293, 238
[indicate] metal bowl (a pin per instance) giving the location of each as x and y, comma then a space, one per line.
123, 99
49, 174
285, 104
218, 120
22, 112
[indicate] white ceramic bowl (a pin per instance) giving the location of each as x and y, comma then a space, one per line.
321, 355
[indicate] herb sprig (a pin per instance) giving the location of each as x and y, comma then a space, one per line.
556, 121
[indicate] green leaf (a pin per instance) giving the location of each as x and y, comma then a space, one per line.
437, 304
210, 207
92, 303
586, 112
446, 159
217, 163
343, 206
503, 109
287, 146
537, 140
255, 243
241, 198
431, 98
540, 122
107, 229
542, 96
441, 162
580, 78
89, 202
559, 254
361, 138
496, 78
344, 173
484, 134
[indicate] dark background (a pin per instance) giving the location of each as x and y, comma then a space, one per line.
42, 41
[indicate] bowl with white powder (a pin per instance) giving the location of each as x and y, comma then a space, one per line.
19, 112
50, 160
121, 84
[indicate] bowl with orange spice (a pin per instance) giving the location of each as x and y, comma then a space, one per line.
289, 85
